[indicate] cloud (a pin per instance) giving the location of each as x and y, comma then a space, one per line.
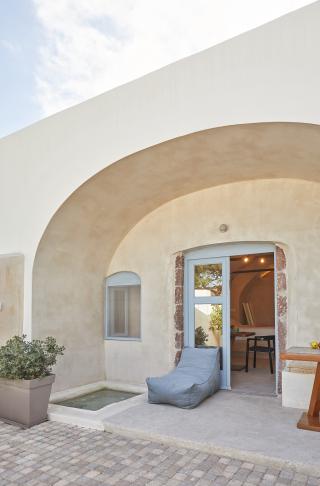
91, 46
9, 46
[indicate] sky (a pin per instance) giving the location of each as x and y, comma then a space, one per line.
57, 53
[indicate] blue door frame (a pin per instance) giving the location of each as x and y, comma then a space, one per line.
215, 254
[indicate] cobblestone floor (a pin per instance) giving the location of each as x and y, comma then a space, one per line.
61, 455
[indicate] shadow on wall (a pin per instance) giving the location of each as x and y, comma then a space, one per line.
11, 292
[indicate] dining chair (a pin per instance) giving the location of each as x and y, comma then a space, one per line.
259, 346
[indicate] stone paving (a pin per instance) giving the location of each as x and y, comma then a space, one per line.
61, 455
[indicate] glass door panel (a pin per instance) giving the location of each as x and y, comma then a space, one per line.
208, 280
208, 325
207, 312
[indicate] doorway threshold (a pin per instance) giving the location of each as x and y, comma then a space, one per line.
257, 381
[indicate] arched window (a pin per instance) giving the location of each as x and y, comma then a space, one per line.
122, 306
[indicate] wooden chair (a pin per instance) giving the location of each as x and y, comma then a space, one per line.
259, 347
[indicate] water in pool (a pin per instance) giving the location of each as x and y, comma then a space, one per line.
98, 399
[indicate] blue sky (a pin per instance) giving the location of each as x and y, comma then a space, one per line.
56, 53
19, 36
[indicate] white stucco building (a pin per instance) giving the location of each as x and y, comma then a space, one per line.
140, 179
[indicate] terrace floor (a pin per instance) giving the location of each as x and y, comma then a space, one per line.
65, 455
246, 427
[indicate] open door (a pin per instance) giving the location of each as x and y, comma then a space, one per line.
207, 319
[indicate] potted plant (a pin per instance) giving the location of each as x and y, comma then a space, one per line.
26, 379
200, 337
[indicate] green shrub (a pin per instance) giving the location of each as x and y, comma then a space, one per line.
216, 323
27, 360
200, 337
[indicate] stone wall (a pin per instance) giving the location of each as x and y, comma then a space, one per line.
282, 308
178, 315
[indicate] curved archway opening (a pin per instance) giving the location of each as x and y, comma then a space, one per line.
85, 233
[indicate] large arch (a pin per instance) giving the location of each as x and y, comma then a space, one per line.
79, 242
265, 75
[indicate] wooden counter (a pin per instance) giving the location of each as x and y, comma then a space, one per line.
309, 420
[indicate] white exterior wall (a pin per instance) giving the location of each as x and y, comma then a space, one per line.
281, 211
296, 389
268, 74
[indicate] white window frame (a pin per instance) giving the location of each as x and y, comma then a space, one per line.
120, 279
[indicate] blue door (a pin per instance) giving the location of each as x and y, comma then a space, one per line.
207, 314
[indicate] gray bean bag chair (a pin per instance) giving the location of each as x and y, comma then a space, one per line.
196, 377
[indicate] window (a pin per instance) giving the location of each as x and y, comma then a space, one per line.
122, 306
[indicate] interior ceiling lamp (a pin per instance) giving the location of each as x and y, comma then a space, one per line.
262, 260
246, 259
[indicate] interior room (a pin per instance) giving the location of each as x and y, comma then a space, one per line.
252, 308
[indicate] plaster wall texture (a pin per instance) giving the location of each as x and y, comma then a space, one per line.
82, 236
265, 75
260, 294
282, 211
250, 287
68, 302
237, 285
11, 296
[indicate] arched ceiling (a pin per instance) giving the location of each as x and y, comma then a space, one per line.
106, 207
78, 244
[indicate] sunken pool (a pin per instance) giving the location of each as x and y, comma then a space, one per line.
96, 400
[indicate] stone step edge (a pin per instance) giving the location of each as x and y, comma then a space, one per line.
229, 452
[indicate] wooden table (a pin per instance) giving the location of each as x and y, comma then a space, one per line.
234, 335
309, 420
